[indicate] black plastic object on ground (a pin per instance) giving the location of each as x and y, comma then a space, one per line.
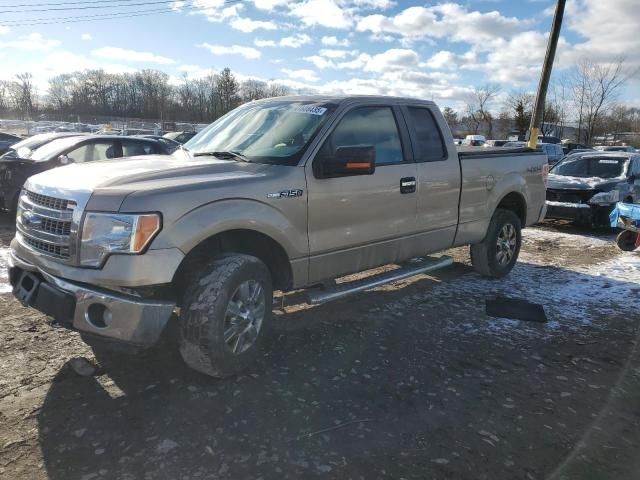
516, 309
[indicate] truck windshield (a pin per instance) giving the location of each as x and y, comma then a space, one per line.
276, 132
589, 166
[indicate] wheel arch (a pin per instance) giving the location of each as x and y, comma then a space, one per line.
515, 202
240, 240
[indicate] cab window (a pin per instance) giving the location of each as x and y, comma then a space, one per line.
368, 126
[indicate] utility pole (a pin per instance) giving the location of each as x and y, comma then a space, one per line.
541, 96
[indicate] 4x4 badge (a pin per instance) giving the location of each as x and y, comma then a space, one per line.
285, 194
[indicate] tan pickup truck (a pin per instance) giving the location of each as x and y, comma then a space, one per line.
279, 194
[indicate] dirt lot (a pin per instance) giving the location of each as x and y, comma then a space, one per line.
412, 380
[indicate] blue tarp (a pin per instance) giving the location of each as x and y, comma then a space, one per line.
629, 210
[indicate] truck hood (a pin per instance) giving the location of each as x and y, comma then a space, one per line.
562, 182
144, 173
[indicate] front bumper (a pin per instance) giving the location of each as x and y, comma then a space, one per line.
579, 212
91, 310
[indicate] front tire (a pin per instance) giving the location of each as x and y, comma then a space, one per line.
226, 312
498, 252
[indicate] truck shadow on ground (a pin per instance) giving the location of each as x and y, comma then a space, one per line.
385, 384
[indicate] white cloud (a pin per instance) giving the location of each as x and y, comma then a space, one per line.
332, 41
325, 13
393, 59
269, 4
336, 53
86, 36
320, 62
246, 52
378, 4
295, 41
248, 25
448, 20
4, 30
306, 75
610, 29
122, 54
264, 43
33, 41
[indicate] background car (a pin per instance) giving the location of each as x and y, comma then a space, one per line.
495, 143
24, 148
180, 137
553, 150
171, 145
6, 140
616, 148
584, 187
14, 171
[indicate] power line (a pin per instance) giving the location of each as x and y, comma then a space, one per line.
104, 16
89, 7
66, 3
79, 18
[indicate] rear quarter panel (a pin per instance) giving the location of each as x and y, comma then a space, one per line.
488, 178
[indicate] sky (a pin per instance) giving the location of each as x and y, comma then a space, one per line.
432, 50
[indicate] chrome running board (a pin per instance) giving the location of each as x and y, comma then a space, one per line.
317, 296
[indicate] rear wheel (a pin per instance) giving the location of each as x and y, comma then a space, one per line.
498, 252
225, 315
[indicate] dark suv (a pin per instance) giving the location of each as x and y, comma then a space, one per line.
14, 170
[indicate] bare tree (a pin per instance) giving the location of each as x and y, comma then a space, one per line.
478, 105
22, 93
595, 88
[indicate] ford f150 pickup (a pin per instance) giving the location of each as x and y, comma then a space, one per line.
279, 194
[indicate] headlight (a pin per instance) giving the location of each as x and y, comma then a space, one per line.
107, 233
605, 198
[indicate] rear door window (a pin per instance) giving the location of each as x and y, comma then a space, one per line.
427, 138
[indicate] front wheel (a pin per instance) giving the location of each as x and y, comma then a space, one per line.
498, 252
225, 315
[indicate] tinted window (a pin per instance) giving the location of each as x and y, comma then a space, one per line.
368, 126
92, 151
131, 148
428, 140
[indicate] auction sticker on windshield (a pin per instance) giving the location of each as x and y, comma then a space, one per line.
310, 109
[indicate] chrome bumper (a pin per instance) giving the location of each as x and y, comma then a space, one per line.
123, 317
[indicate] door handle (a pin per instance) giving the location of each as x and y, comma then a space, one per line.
408, 185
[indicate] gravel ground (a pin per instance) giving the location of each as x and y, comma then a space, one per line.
410, 380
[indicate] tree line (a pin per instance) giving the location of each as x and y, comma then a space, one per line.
145, 94
585, 99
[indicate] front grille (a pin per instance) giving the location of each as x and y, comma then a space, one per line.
48, 248
48, 202
45, 224
56, 227
570, 196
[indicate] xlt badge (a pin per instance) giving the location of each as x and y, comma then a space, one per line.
285, 194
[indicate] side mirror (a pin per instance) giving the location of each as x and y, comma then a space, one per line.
64, 160
347, 161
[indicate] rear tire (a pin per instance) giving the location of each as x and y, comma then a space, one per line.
226, 312
626, 240
498, 252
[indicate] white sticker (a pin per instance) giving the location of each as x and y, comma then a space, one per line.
310, 109
608, 161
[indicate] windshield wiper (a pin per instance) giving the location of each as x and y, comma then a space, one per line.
224, 154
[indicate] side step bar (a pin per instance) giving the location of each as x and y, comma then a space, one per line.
319, 295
